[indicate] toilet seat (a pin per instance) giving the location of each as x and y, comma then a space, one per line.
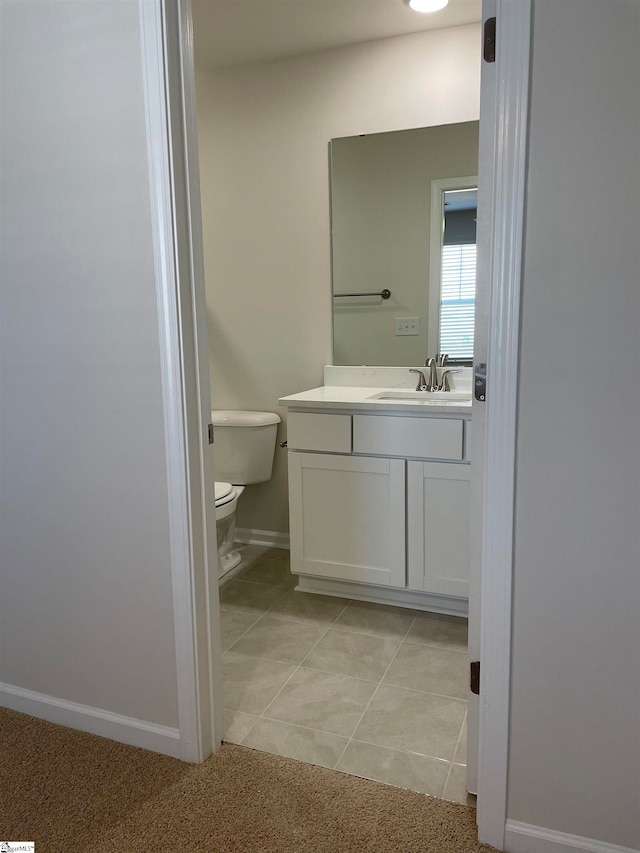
224, 493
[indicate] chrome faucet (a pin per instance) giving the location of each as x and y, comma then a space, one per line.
432, 384
422, 381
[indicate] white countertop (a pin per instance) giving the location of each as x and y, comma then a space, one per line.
360, 399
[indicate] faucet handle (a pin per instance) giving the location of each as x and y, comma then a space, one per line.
422, 381
445, 384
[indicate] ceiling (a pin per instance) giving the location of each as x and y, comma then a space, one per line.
232, 32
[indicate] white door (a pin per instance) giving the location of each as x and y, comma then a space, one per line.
477, 445
501, 170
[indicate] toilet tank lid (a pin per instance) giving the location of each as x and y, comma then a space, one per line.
229, 417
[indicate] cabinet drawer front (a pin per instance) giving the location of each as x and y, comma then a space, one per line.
426, 438
308, 431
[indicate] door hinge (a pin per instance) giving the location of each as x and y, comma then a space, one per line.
489, 40
210, 431
474, 677
480, 382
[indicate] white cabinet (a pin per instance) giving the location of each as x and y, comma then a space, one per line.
347, 518
381, 501
438, 516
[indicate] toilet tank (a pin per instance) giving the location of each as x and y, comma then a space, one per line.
244, 446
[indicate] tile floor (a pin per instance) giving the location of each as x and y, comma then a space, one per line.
368, 689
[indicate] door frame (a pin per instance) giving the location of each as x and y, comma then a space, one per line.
167, 37
170, 114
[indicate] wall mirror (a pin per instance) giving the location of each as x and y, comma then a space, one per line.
403, 224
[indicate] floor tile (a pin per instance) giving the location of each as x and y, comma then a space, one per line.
357, 655
267, 570
248, 597
277, 639
412, 722
249, 684
403, 769
461, 751
455, 789
430, 669
233, 625
307, 607
237, 725
308, 745
380, 620
282, 554
320, 700
250, 553
435, 629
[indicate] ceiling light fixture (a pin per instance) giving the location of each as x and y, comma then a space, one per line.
426, 5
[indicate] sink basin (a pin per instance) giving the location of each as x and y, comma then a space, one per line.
424, 396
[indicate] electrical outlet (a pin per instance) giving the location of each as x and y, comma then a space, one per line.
407, 325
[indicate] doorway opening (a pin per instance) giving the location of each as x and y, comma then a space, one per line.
313, 189
503, 202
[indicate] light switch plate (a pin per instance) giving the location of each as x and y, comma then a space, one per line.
407, 325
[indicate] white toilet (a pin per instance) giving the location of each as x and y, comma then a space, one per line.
244, 444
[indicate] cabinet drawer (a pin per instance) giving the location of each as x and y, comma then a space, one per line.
422, 438
309, 431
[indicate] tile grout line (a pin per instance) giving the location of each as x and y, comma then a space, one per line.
347, 630
455, 749
344, 675
335, 627
285, 591
246, 631
374, 692
299, 666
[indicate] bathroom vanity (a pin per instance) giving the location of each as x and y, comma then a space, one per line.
379, 483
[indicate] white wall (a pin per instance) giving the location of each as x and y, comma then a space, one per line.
85, 587
575, 737
263, 135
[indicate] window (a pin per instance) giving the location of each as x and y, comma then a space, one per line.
457, 300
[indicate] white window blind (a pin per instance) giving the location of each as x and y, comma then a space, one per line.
458, 297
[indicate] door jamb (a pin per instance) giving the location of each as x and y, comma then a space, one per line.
168, 78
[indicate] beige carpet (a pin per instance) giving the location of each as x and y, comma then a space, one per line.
75, 793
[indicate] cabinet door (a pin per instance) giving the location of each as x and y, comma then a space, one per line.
347, 518
438, 517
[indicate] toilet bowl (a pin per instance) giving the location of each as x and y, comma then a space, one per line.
244, 447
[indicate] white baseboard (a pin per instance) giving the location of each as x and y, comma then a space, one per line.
266, 538
524, 838
85, 718
385, 595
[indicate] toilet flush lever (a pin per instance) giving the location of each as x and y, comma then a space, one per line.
210, 430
